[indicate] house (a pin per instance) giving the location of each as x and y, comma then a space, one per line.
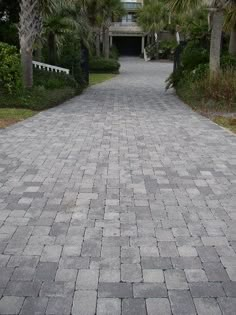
125, 34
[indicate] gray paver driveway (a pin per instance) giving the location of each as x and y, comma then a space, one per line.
121, 201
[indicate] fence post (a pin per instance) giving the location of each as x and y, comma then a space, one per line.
85, 63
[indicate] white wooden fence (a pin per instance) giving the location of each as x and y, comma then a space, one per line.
51, 68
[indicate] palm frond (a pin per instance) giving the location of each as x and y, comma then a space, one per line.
183, 5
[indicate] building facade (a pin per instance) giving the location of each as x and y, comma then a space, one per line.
125, 34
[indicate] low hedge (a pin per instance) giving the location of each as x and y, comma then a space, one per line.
53, 80
102, 65
50, 89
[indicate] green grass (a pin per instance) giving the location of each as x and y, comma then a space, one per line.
95, 78
227, 122
9, 116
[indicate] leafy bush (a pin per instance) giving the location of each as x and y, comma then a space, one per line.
10, 68
114, 53
152, 51
166, 48
53, 80
38, 98
70, 57
174, 78
228, 61
103, 65
200, 72
193, 55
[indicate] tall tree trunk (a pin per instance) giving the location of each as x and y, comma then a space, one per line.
232, 42
98, 43
27, 67
107, 44
30, 26
52, 48
103, 40
216, 34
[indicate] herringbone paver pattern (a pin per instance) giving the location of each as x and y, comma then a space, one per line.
120, 201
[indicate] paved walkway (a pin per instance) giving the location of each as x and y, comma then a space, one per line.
121, 201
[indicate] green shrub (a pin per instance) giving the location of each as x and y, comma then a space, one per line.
166, 48
182, 76
38, 98
114, 53
193, 55
53, 80
70, 57
103, 65
10, 68
200, 72
228, 61
152, 51
174, 78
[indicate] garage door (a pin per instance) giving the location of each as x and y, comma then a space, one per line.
128, 46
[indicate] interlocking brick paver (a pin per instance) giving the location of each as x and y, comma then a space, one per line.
120, 201
133, 307
158, 306
106, 306
207, 306
84, 303
11, 304
34, 305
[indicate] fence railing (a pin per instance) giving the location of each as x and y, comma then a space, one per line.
45, 66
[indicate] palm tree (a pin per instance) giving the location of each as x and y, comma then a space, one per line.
230, 25
216, 9
152, 17
55, 28
30, 27
78, 12
109, 9
94, 15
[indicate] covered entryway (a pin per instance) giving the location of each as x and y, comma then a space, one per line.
128, 45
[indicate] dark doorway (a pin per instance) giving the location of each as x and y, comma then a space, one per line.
128, 46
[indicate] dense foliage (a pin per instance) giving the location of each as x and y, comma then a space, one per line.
193, 55
166, 48
53, 80
193, 84
10, 68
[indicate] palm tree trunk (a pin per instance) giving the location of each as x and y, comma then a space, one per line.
30, 26
232, 42
27, 67
103, 40
216, 34
98, 43
107, 44
51, 48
